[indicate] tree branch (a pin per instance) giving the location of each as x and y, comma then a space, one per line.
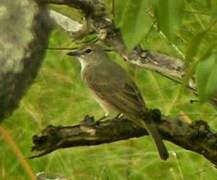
196, 137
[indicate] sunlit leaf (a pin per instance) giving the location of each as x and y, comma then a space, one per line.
194, 44
206, 77
191, 52
132, 20
120, 8
169, 15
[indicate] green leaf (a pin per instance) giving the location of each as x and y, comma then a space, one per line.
193, 46
132, 20
192, 50
206, 77
120, 8
169, 15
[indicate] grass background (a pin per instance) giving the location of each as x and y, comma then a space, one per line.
59, 97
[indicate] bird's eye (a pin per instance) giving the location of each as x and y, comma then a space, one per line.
88, 50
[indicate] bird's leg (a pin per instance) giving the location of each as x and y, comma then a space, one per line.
102, 118
119, 115
193, 101
88, 120
106, 115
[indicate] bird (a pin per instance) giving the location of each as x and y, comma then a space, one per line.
114, 90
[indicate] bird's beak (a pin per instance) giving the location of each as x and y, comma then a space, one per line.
74, 53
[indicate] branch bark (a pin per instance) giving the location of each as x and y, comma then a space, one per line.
196, 137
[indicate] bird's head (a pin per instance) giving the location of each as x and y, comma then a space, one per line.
88, 54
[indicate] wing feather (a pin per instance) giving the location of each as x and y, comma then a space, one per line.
121, 92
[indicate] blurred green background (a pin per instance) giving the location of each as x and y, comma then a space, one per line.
59, 97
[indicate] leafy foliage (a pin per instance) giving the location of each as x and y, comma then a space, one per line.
134, 20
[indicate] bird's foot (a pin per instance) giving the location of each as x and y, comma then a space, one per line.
103, 118
119, 116
88, 120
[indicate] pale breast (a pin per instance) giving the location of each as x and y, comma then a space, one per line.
103, 104
87, 76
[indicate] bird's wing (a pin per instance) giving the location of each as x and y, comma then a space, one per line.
119, 92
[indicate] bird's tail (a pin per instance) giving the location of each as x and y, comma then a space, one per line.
152, 130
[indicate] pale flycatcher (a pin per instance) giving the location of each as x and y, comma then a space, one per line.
113, 89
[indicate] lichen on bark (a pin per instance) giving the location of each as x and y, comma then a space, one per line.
24, 34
